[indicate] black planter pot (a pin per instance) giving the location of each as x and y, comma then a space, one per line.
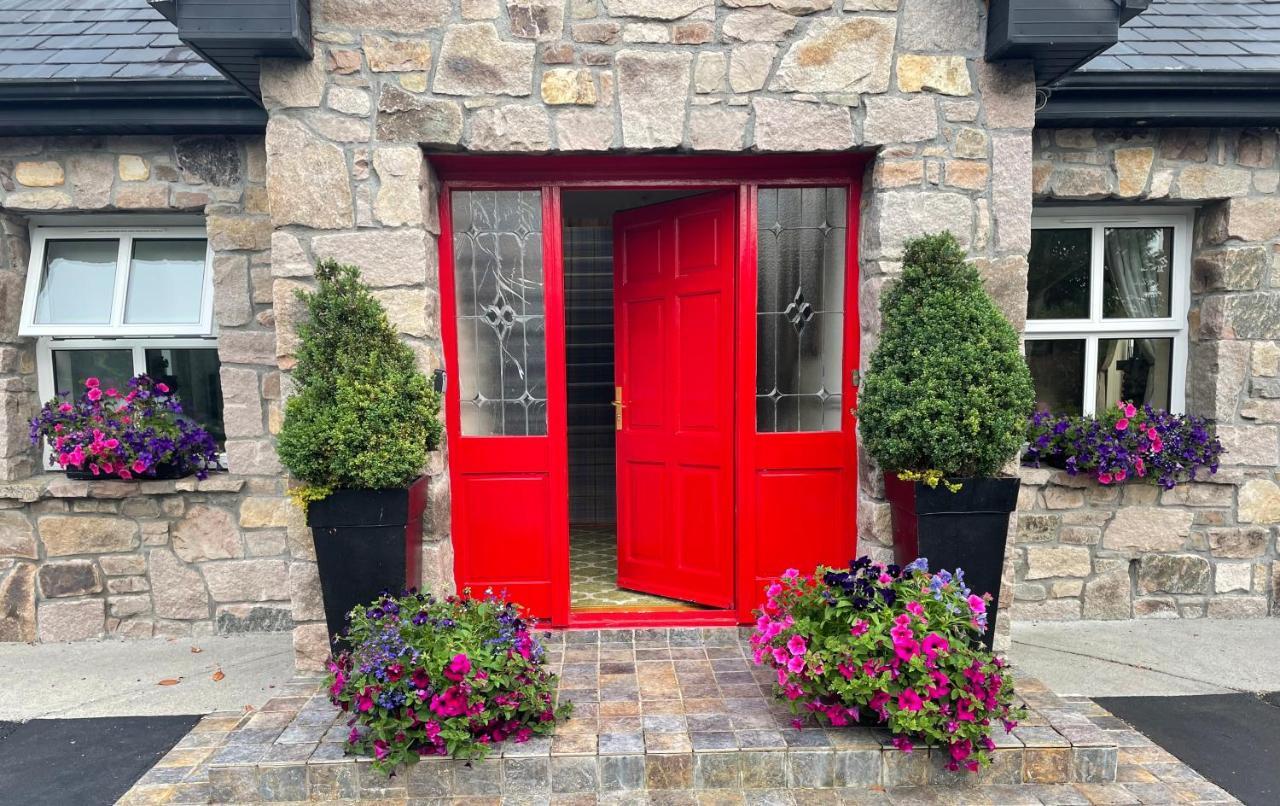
966, 529
367, 542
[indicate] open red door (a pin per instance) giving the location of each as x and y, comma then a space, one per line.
673, 286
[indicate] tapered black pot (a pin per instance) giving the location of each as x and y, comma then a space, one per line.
966, 529
367, 542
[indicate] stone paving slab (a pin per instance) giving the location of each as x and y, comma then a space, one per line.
679, 716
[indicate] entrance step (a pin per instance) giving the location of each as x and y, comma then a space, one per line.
654, 710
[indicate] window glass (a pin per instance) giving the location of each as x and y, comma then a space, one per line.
800, 238
1136, 264
499, 286
113, 368
166, 282
192, 374
1057, 371
1058, 278
77, 286
1137, 370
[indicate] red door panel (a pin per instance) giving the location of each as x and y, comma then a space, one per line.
509, 490
797, 490
674, 364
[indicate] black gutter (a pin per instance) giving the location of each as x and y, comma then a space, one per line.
1163, 98
166, 106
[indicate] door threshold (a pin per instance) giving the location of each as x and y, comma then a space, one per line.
604, 619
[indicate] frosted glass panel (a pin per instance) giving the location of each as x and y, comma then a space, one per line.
166, 282
78, 282
497, 258
800, 308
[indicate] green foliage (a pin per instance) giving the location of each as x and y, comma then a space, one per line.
947, 390
453, 677
363, 416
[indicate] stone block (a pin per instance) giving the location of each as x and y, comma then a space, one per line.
258, 512
510, 128
900, 120
123, 565
474, 60
1143, 529
242, 618
749, 66
307, 181
844, 55
247, 347
899, 216
77, 620
1133, 169
799, 126
39, 174
18, 604
254, 580
584, 130
292, 83
568, 85
65, 535
1253, 218
70, 578
17, 536
241, 402
655, 9
395, 16
177, 589
310, 647
1058, 561
1232, 577
756, 25
1237, 607
349, 101
396, 56
946, 75
1250, 445
1241, 543
1108, 596
653, 90
1173, 573
717, 129
405, 118
1211, 182
206, 533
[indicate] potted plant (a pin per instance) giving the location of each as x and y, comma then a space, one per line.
441, 677
1127, 443
942, 410
879, 645
138, 433
357, 433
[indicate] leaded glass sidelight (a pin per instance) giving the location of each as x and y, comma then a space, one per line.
801, 234
499, 287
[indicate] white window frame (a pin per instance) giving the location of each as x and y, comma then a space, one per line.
117, 327
1096, 326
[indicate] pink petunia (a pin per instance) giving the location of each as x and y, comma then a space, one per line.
163, 388
1104, 478
977, 604
91, 383
909, 700
903, 743
380, 749
773, 591
1122, 424
796, 664
916, 609
796, 645
65, 408
790, 573
1130, 410
780, 656
859, 628
95, 395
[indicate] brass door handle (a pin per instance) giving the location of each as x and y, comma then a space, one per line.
618, 406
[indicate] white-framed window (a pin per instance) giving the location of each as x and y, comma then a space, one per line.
114, 302
1108, 290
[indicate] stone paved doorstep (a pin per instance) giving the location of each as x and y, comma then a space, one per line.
642, 731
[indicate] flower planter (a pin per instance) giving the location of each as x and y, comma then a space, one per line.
163, 472
367, 542
966, 529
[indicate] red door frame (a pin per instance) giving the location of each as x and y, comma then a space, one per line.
553, 174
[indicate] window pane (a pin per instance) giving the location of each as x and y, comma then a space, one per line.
193, 375
1057, 370
1058, 281
71, 367
1136, 265
800, 308
497, 257
1136, 370
166, 282
78, 284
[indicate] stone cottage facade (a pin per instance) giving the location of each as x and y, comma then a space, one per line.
345, 170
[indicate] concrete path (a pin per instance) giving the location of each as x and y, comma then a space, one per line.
1148, 658
122, 678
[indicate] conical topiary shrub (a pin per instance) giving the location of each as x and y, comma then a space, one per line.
363, 415
948, 392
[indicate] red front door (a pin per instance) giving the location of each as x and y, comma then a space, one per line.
673, 285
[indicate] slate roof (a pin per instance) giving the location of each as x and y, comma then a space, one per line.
1197, 35
92, 40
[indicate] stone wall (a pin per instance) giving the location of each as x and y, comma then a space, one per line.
1207, 548
902, 78
136, 559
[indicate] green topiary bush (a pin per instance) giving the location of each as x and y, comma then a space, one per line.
363, 415
948, 392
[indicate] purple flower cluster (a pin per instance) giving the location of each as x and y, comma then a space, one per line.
124, 434
1124, 443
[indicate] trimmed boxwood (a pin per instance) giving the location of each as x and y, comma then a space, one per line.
947, 393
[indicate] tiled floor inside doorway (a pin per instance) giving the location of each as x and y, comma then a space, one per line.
593, 575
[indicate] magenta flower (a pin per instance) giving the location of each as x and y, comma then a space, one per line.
773, 591
380, 749
977, 604
790, 573
92, 383
780, 656
796, 664
458, 667
903, 743
859, 628
796, 645
909, 700
916, 609
1122, 424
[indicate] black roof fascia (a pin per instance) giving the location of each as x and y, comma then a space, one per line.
233, 35
1056, 37
1163, 99
165, 106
